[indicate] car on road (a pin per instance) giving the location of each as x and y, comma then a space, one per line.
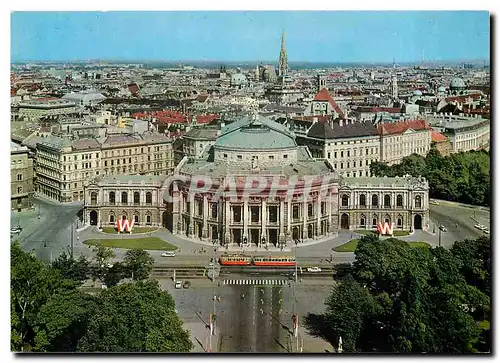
178, 284
313, 269
434, 202
443, 228
16, 230
486, 231
186, 285
480, 226
168, 254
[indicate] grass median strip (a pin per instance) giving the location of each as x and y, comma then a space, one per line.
352, 244
396, 233
113, 230
146, 243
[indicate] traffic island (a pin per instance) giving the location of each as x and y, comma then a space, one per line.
396, 233
352, 244
144, 243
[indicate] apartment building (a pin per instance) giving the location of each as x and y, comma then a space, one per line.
21, 177
401, 139
37, 108
468, 135
349, 146
63, 165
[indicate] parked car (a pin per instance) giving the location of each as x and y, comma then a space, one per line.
168, 254
178, 284
16, 230
313, 269
186, 285
443, 228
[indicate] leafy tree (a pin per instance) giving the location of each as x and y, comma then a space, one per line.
403, 299
32, 283
101, 261
135, 317
75, 270
63, 320
115, 274
139, 263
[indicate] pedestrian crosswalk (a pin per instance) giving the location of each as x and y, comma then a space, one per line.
276, 282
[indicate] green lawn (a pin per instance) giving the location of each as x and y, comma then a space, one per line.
146, 243
352, 244
347, 247
112, 230
396, 233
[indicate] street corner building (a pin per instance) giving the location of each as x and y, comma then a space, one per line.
306, 199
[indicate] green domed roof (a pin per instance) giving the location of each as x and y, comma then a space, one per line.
457, 83
255, 133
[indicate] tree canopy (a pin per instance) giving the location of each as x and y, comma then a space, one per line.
51, 313
403, 299
136, 317
462, 177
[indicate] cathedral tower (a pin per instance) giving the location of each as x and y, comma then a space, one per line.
283, 62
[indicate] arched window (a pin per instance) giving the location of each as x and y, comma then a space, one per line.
374, 200
374, 220
362, 221
93, 198
19, 190
399, 200
148, 218
124, 198
387, 200
362, 200
400, 222
137, 198
418, 201
149, 198
112, 198
345, 200
111, 218
310, 209
214, 210
136, 219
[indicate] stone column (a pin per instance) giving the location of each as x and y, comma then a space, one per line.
281, 237
191, 215
205, 217
304, 218
227, 214
245, 219
263, 215
289, 221
176, 206
318, 217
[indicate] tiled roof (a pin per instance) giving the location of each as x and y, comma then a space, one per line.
379, 109
323, 130
323, 95
400, 127
438, 137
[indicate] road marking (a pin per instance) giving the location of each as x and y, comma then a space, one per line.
254, 282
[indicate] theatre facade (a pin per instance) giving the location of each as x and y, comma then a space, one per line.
256, 186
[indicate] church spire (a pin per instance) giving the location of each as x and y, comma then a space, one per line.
283, 62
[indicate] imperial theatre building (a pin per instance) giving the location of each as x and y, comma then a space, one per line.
258, 187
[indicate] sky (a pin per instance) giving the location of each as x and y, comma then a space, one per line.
326, 36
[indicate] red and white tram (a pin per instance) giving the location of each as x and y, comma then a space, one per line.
273, 261
235, 260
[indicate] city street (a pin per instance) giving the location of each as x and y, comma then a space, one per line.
259, 322
53, 229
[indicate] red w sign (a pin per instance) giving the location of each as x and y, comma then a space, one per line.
385, 228
124, 225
